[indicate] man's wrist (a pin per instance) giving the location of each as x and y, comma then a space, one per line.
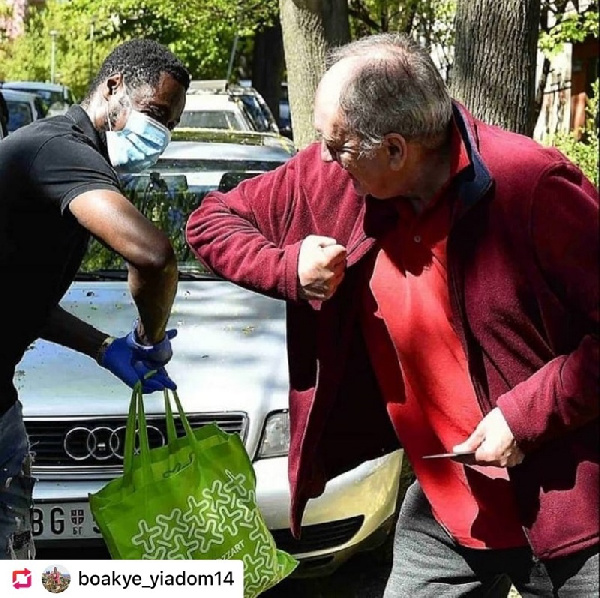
139, 334
102, 349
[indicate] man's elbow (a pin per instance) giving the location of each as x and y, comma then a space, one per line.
193, 230
160, 259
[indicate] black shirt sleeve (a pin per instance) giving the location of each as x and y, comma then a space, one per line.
67, 166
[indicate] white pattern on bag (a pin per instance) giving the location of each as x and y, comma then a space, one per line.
207, 523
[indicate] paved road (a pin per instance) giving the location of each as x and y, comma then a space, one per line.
360, 577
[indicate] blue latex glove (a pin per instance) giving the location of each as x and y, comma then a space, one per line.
158, 354
124, 362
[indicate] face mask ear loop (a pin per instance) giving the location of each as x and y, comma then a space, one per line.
108, 117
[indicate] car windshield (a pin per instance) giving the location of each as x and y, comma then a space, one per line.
167, 194
213, 119
259, 113
50, 97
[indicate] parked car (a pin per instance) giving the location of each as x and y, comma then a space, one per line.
221, 114
206, 111
23, 108
235, 138
230, 366
252, 104
56, 97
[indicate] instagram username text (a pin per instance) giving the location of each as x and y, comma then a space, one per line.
156, 580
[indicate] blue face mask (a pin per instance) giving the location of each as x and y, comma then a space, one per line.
138, 145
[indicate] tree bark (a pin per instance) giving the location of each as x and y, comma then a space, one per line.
309, 27
494, 70
336, 20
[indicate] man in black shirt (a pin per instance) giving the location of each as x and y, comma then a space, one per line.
59, 186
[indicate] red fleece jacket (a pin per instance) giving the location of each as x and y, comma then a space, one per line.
523, 281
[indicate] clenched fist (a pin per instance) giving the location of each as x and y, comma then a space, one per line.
321, 266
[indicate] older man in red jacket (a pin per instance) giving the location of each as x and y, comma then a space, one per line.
441, 279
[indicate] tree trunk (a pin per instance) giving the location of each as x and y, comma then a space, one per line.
267, 65
336, 20
494, 70
309, 27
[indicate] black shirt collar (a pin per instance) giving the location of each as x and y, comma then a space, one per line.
80, 117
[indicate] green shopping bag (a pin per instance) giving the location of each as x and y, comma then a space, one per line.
191, 499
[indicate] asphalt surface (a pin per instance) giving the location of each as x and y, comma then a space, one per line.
361, 577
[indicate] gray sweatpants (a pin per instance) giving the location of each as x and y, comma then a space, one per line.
429, 564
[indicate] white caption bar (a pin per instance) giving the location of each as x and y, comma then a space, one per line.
80, 579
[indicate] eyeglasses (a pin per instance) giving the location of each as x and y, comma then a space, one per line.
337, 151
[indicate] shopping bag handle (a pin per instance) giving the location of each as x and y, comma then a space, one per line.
182, 416
130, 437
136, 421
171, 430
143, 434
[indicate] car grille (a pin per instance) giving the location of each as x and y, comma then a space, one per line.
99, 441
318, 537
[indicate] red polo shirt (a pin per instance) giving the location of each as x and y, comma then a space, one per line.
422, 370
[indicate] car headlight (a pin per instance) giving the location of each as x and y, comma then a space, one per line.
275, 441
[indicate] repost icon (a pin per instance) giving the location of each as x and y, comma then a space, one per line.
21, 579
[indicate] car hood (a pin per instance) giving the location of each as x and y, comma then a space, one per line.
229, 354
233, 138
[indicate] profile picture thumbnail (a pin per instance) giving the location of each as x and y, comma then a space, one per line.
56, 579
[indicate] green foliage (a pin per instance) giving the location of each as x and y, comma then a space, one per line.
5, 9
569, 27
168, 210
200, 32
429, 20
422, 16
582, 147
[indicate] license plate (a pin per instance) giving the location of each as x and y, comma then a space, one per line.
63, 521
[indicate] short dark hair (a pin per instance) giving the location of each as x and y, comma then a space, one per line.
141, 62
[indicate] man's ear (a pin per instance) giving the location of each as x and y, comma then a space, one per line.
396, 148
111, 85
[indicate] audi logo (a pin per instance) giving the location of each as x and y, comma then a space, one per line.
102, 443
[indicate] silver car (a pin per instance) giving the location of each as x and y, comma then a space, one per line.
56, 97
23, 108
230, 367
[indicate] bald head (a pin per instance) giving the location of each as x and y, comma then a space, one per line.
330, 88
381, 84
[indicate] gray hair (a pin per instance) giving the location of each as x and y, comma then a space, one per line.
396, 88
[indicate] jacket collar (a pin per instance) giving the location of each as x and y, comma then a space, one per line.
474, 181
